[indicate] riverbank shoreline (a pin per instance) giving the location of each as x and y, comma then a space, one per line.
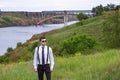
10, 36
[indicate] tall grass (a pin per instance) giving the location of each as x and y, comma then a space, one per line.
100, 66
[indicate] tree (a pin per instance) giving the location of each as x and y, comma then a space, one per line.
98, 10
0, 12
82, 16
109, 7
117, 7
19, 44
9, 49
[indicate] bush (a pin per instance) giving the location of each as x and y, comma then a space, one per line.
78, 43
9, 49
24, 56
19, 44
7, 19
32, 46
4, 59
82, 16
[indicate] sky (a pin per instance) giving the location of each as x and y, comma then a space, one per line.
47, 5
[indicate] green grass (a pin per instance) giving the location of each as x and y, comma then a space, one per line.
100, 66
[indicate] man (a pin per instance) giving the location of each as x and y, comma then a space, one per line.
43, 60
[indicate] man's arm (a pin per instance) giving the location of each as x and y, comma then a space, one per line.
35, 60
51, 59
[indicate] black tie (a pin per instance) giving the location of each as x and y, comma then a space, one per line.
43, 60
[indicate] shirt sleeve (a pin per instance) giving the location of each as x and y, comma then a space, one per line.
35, 58
51, 59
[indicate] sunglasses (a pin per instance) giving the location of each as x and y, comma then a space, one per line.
44, 41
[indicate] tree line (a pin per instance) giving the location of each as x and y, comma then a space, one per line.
100, 8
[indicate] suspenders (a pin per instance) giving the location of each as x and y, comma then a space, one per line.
47, 54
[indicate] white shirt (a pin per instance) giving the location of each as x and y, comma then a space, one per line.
50, 57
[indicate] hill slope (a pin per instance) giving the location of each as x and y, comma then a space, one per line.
24, 52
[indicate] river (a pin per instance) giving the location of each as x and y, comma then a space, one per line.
10, 36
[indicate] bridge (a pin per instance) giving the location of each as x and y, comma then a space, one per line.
48, 15
41, 17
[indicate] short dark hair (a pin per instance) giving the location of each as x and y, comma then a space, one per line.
42, 37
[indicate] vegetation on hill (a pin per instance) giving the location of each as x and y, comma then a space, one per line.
91, 42
15, 20
111, 29
98, 10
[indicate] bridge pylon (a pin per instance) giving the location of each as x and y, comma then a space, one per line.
65, 18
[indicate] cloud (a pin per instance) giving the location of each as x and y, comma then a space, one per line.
40, 5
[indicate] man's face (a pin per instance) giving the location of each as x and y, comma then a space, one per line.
43, 42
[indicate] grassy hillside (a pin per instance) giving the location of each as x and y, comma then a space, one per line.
16, 19
91, 26
101, 66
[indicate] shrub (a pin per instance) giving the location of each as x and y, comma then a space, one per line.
9, 49
78, 43
82, 16
24, 56
19, 44
7, 19
4, 59
32, 46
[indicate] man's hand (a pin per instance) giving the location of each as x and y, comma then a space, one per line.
35, 70
51, 70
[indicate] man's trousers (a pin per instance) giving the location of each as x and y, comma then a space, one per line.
44, 69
